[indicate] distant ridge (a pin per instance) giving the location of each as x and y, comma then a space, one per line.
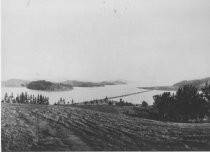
14, 83
73, 83
76, 83
198, 83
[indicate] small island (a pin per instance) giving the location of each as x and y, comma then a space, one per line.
48, 86
76, 83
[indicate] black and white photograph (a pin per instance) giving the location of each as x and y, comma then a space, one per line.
105, 75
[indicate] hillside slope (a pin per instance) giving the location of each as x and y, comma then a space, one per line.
36, 127
199, 83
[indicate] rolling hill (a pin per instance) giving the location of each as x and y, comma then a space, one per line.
198, 83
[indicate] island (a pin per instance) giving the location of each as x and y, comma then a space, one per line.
76, 83
48, 86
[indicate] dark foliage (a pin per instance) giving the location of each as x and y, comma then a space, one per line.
24, 98
144, 104
187, 105
123, 103
48, 86
206, 92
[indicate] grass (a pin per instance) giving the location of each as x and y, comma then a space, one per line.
57, 128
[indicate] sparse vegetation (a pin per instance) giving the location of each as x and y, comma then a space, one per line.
123, 103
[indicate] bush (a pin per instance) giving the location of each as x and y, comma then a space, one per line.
123, 103
144, 104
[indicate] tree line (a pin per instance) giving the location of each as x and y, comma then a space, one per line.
24, 98
188, 104
62, 101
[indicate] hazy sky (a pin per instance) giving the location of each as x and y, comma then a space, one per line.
151, 41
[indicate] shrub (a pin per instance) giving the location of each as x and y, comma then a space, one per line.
144, 104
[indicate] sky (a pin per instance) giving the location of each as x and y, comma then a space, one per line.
153, 42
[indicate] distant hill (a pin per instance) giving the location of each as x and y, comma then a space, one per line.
73, 83
48, 86
14, 83
198, 83
113, 82
76, 83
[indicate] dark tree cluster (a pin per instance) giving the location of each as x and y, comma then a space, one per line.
24, 98
62, 101
99, 102
123, 103
188, 104
144, 104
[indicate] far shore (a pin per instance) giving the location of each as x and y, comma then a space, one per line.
162, 88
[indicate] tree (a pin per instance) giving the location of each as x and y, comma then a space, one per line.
206, 92
25, 97
188, 104
33, 99
164, 104
144, 104
22, 97
17, 99
38, 99
48, 100
5, 96
206, 96
110, 103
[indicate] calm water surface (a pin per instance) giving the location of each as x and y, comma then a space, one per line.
86, 94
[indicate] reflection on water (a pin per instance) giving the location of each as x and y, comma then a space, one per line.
86, 94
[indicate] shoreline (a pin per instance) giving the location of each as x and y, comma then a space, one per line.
161, 88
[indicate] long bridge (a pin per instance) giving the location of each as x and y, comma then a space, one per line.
114, 97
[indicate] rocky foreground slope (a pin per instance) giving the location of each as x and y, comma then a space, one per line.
38, 127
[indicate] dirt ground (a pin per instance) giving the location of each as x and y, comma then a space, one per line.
60, 128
